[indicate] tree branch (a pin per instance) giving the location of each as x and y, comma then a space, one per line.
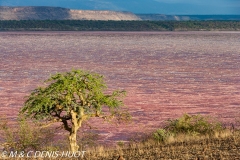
66, 126
63, 119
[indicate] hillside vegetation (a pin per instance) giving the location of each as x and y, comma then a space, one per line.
85, 25
162, 17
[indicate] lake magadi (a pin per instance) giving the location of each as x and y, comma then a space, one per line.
165, 74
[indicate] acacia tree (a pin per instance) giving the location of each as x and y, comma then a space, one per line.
71, 98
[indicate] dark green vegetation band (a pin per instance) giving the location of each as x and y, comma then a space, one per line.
86, 25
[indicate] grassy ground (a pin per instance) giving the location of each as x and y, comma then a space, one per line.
221, 147
224, 147
188, 137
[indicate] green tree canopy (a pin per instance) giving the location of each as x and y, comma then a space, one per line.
72, 98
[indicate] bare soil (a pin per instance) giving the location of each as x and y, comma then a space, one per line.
165, 74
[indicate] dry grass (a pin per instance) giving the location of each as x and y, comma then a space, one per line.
221, 146
224, 145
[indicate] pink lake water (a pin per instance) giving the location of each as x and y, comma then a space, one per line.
165, 74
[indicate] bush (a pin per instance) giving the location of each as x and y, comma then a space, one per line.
25, 136
161, 135
190, 125
194, 125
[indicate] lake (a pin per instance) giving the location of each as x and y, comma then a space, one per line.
165, 74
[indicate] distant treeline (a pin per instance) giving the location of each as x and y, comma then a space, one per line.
90, 25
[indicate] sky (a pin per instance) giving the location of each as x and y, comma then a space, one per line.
170, 7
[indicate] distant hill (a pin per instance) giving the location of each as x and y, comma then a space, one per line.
57, 13
162, 17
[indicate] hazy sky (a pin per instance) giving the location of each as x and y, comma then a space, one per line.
140, 6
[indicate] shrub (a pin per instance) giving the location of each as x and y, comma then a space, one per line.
120, 143
161, 135
25, 136
189, 125
194, 125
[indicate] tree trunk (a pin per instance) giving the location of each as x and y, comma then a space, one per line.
76, 124
73, 139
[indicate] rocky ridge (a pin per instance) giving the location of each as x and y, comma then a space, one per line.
58, 13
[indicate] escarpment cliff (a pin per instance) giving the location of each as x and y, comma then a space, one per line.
57, 13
